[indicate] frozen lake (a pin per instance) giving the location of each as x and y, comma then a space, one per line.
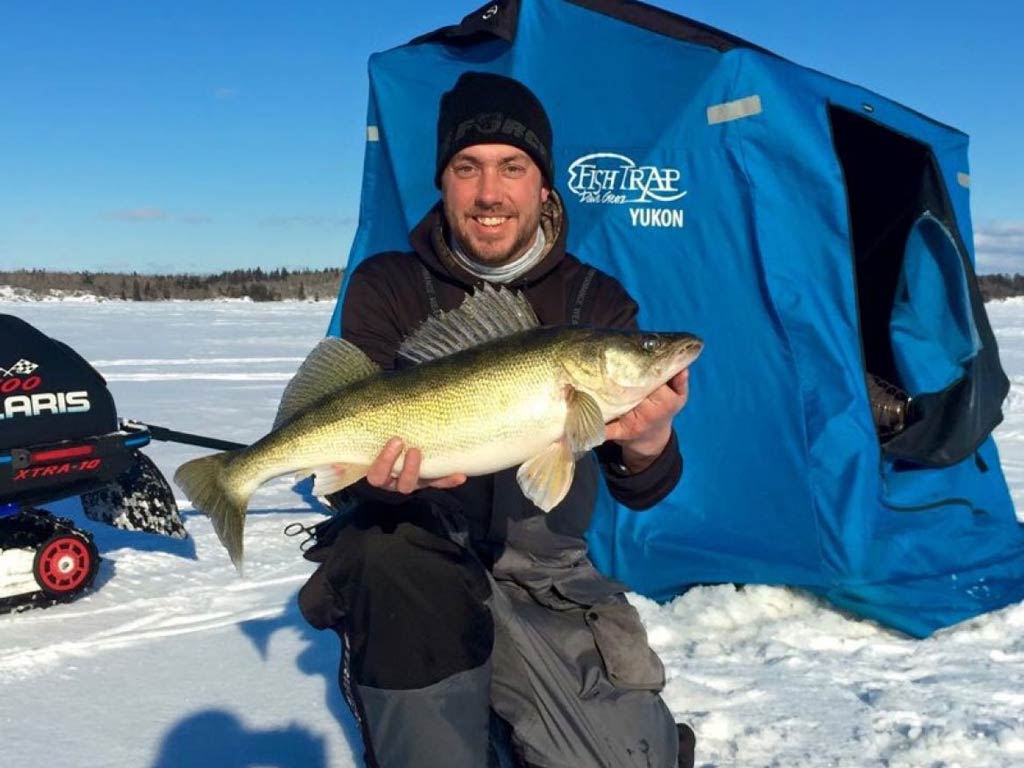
174, 661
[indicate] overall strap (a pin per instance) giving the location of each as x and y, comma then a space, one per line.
430, 286
580, 299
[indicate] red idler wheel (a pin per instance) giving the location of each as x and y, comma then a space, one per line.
65, 564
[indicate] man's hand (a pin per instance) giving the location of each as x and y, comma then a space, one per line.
382, 471
644, 432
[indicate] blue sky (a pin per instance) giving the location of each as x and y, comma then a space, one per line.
200, 135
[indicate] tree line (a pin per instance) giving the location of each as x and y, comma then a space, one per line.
271, 285
1000, 286
256, 284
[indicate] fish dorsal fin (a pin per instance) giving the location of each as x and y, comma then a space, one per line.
332, 364
490, 313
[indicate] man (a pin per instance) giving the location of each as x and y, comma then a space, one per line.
467, 613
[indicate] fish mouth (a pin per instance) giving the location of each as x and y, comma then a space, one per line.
694, 347
687, 349
687, 344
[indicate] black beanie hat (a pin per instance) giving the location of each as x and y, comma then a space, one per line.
491, 109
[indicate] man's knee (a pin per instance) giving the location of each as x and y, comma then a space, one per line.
415, 609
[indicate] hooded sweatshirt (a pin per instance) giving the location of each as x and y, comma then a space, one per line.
390, 294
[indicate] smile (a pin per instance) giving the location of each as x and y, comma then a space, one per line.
490, 221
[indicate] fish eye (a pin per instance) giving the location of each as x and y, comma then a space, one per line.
650, 343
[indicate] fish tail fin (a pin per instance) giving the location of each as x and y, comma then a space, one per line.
208, 486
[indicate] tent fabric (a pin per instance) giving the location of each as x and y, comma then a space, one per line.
780, 214
933, 333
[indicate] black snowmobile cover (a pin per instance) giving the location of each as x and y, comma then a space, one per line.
48, 392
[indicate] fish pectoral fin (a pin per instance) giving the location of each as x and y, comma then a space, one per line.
331, 478
584, 422
545, 479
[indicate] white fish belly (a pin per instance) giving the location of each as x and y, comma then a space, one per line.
477, 454
493, 455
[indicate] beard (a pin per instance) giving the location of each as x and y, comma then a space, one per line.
495, 252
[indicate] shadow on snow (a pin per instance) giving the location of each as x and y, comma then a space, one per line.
217, 739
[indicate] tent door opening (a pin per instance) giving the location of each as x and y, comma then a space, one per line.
930, 361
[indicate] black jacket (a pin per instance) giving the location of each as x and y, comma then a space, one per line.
390, 294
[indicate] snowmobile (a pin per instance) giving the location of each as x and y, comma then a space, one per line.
60, 437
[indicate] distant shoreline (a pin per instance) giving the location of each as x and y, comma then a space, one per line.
252, 285
241, 284
8, 296
1000, 286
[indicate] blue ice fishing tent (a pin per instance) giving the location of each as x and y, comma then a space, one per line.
817, 236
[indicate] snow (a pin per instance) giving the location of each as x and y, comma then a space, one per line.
173, 660
9, 293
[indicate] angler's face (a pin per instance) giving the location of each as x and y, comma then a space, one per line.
492, 196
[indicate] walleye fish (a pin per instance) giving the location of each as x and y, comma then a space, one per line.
491, 389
